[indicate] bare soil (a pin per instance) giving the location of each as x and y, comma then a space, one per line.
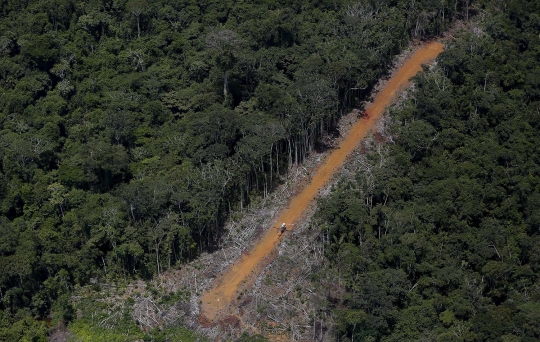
220, 302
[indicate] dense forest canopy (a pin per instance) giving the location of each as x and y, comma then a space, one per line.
438, 235
129, 129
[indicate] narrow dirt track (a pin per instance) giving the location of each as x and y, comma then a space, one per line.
217, 303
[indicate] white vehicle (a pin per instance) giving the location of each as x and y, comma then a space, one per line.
282, 228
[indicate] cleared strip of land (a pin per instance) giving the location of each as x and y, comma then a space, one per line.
217, 302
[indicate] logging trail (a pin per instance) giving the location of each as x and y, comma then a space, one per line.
219, 302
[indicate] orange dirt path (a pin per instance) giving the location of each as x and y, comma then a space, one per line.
216, 302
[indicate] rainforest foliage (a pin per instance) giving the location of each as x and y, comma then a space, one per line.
437, 238
129, 129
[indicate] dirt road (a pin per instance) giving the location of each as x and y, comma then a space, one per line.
218, 302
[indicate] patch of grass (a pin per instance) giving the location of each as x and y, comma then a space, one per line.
97, 322
87, 332
175, 334
252, 338
174, 297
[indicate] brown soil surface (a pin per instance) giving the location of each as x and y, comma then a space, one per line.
217, 303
